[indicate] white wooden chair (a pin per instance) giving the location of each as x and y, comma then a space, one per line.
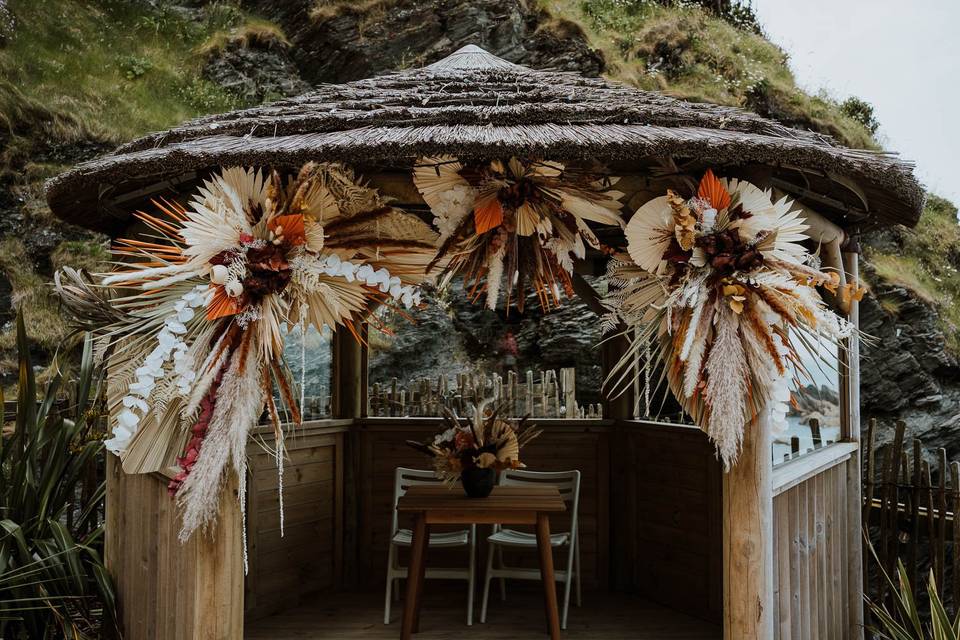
403, 479
568, 482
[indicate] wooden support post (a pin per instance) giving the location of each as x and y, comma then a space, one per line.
748, 539
165, 588
850, 432
349, 401
349, 376
620, 407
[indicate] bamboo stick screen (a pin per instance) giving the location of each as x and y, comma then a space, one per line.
540, 394
911, 500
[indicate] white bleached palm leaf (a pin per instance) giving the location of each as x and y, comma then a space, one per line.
649, 233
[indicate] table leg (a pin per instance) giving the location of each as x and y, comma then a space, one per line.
546, 575
414, 576
422, 582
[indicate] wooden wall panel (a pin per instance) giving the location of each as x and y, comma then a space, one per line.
666, 528
172, 591
560, 447
810, 558
307, 558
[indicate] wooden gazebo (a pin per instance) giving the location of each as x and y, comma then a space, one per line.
762, 551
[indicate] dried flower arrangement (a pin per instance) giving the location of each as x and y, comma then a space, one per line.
719, 289
193, 317
518, 221
488, 440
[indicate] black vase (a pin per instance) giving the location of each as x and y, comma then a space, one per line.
477, 482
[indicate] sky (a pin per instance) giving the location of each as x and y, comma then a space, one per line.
900, 56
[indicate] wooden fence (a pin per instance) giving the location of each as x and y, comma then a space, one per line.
540, 394
910, 501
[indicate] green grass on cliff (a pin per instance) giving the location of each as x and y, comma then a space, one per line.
927, 264
76, 72
108, 70
690, 53
33, 297
251, 32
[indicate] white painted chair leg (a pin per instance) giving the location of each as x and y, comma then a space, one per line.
472, 575
567, 584
503, 581
387, 597
576, 569
486, 584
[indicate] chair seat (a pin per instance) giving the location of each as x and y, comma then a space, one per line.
404, 538
511, 538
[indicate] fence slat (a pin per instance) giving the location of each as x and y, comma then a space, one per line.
941, 543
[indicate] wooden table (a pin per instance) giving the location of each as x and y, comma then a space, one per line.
506, 505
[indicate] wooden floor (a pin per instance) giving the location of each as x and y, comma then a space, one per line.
602, 617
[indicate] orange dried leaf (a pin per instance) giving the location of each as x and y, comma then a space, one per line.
832, 282
157, 223
488, 215
712, 190
221, 305
292, 228
173, 209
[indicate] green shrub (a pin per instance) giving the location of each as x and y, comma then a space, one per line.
135, 66
861, 111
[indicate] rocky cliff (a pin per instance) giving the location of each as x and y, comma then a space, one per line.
341, 40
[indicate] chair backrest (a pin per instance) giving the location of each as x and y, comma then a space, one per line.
567, 482
405, 478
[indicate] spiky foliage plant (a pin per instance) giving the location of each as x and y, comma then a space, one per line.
904, 620
53, 583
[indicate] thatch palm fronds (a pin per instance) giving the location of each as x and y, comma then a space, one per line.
474, 104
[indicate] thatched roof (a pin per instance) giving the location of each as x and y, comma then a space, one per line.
475, 104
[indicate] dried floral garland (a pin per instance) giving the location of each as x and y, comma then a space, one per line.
719, 288
193, 319
518, 221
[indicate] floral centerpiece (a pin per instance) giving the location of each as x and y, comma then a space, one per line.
473, 450
719, 294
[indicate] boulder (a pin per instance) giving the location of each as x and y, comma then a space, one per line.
255, 72
907, 371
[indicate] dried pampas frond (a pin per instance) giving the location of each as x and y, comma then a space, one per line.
700, 338
89, 307
239, 402
726, 391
